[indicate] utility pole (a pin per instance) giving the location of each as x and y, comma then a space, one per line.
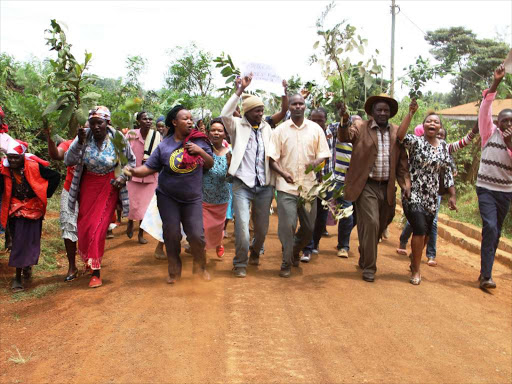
392, 89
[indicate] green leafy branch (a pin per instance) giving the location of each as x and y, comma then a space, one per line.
420, 73
229, 71
70, 80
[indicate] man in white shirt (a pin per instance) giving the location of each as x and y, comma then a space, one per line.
250, 140
296, 144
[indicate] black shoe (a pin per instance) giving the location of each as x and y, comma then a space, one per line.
487, 283
369, 277
285, 272
239, 271
325, 234
71, 277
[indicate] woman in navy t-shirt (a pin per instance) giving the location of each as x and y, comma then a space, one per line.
180, 159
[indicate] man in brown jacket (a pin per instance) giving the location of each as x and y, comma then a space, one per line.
378, 160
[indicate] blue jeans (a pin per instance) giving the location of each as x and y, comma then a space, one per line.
493, 207
432, 240
261, 198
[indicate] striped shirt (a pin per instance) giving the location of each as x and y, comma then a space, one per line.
380, 170
343, 154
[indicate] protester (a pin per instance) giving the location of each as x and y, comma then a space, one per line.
494, 179
160, 127
25, 186
319, 116
68, 219
343, 153
430, 167
180, 159
296, 144
377, 161
95, 186
216, 189
250, 140
143, 142
407, 231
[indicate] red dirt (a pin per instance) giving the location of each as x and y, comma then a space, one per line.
324, 324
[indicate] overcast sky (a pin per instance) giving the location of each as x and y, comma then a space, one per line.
280, 33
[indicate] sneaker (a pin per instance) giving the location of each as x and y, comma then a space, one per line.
95, 282
306, 257
325, 234
220, 251
239, 272
110, 234
315, 251
385, 234
343, 253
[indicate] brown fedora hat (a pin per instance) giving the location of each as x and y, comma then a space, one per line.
393, 104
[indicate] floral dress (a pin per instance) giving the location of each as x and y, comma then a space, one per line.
425, 165
215, 186
101, 160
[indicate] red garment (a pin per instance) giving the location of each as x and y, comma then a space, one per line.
38, 184
97, 203
70, 170
4, 128
190, 160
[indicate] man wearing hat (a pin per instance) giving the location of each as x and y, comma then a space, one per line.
378, 160
250, 140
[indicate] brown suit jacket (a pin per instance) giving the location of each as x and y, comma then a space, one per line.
364, 153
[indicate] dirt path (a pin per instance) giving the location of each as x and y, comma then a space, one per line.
323, 325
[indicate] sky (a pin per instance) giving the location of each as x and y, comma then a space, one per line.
278, 33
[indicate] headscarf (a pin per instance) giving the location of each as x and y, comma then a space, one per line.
100, 112
419, 130
250, 102
161, 118
4, 128
18, 147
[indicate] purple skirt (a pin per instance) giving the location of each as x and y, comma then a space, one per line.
26, 241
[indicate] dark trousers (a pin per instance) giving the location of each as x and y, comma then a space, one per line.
373, 215
190, 215
494, 206
320, 222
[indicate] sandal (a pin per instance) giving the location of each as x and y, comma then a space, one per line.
71, 277
415, 280
16, 286
431, 262
401, 251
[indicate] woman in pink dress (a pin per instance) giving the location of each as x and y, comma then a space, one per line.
143, 141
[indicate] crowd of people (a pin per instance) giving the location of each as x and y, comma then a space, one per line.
186, 179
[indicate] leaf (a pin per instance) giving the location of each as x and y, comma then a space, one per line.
309, 168
91, 96
65, 115
88, 57
368, 80
315, 46
55, 106
360, 48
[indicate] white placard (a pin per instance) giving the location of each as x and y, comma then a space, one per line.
508, 62
264, 77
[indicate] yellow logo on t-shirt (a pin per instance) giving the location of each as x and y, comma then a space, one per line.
176, 159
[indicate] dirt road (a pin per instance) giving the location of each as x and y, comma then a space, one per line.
323, 325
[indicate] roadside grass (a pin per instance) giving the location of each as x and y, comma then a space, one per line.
17, 358
36, 293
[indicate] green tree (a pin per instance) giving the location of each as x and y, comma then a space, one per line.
190, 71
472, 60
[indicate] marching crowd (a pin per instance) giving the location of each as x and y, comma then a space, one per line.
185, 179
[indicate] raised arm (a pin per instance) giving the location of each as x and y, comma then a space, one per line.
406, 122
227, 112
74, 153
485, 123
277, 117
457, 145
54, 152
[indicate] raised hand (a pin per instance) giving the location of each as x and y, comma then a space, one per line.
499, 73
413, 107
81, 135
